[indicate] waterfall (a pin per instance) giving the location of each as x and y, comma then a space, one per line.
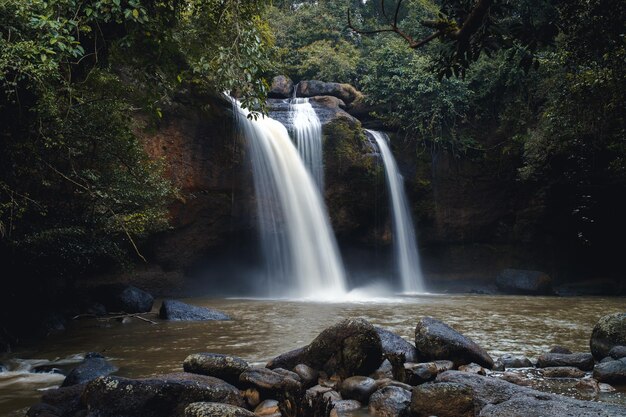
405, 243
299, 246
307, 131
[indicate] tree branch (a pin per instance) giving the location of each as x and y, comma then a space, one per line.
445, 28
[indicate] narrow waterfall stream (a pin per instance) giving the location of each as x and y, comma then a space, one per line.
307, 131
405, 242
299, 246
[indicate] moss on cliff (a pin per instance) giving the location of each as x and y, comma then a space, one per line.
355, 181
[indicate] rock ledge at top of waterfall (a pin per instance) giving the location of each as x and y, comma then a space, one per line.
283, 87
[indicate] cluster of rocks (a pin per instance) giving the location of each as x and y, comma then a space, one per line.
349, 366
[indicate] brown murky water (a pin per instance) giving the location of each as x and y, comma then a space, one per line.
261, 329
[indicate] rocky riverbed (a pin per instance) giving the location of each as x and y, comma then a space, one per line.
354, 368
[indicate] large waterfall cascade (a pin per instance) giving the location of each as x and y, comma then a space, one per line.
405, 242
299, 246
307, 131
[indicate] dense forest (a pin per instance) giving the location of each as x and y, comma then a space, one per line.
540, 81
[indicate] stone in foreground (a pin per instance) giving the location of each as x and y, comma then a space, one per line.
175, 310
160, 396
613, 372
351, 347
220, 366
394, 344
208, 409
390, 402
609, 331
442, 400
436, 340
494, 397
358, 388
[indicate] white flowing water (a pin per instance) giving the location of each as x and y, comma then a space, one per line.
405, 243
299, 246
307, 131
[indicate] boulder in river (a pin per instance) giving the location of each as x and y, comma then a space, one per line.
436, 340
609, 331
158, 396
123, 298
613, 372
344, 408
282, 87
93, 366
582, 361
351, 347
524, 282
178, 311
390, 401
220, 366
394, 344
209, 409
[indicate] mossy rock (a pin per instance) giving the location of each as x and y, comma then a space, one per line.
608, 332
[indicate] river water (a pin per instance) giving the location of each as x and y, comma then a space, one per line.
261, 329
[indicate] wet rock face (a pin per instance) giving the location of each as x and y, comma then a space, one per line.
92, 367
442, 400
351, 347
436, 340
225, 367
161, 396
208, 409
390, 401
582, 361
609, 331
613, 372
178, 311
523, 282
123, 298
282, 87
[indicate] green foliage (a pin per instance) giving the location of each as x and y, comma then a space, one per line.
77, 190
413, 100
328, 61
